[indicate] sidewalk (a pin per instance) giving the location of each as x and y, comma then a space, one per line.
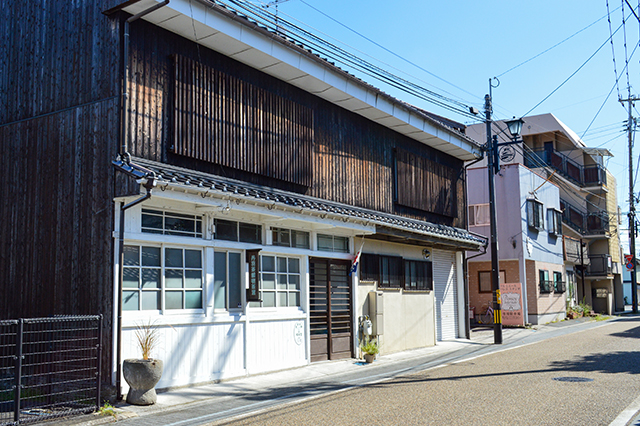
317, 378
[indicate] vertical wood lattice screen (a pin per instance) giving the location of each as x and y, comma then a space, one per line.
425, 184
224, 120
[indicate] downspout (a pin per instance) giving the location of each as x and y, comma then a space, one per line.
465, 259
125, 157
148, 185
124, 97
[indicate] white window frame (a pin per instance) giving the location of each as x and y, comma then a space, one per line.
241, 284
554, 217
278, 273
163, 285
474, 209
535, 214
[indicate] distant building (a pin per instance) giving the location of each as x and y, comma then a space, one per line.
587, 207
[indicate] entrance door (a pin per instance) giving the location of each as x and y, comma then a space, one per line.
330, 309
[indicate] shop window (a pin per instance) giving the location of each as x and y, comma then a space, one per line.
227, 280
559, 285
237, 231
156, 279
535, 217
545, 283
333, 243
484, 280
279, 282
290, 238
418, 275
169, 223
479, 215
386, 270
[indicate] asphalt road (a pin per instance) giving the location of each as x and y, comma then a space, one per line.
517, 385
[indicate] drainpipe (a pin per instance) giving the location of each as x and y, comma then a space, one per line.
124, 97
125, 157
465, 259
148, 186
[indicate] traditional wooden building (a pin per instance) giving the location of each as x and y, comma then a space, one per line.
180, 164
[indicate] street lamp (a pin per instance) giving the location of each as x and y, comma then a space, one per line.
515, 127
491, 147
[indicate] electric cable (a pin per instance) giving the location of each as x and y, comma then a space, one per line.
308, 40
572, 74
558, 44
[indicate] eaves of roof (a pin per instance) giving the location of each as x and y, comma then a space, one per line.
334, 84
222, 187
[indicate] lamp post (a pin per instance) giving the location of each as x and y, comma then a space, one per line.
515, 126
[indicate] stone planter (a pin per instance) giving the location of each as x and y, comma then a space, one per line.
369, 358
142, 375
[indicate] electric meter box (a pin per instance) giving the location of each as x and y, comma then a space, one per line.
376, 312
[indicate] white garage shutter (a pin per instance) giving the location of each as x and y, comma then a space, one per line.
444, 285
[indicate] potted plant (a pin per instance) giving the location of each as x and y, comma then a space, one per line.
370, 350
143, 374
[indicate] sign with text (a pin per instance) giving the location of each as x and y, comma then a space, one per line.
253, 292
512, 310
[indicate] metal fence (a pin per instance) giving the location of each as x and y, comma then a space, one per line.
49, 368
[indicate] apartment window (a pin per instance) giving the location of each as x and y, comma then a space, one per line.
279, 282
418, 275
535, 217
333, 243
168, 223
290, 238
545, 283
227, 280
237, 231
484, 280
555, 221
559, 285
157, 279
479, 215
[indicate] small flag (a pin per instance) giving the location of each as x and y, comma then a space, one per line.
354, 266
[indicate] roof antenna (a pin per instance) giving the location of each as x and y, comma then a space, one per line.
275, 3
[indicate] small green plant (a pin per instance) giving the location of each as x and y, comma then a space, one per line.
370, 347
107, 410
148, 338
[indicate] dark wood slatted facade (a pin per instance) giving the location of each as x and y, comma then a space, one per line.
58, 134
425, 185
353, 159
224, 120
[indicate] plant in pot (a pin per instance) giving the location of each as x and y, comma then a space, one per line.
143, 374
370, 350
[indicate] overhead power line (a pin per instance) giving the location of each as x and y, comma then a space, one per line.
331, 52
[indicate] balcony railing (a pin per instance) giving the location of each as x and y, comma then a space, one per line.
570, 169
586, 223
599, 265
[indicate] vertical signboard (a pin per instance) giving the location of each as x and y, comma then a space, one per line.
512, 310
253, 292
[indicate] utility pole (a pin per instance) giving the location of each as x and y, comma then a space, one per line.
632, 208
495, 271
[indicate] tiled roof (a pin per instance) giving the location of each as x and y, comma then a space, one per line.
172, 175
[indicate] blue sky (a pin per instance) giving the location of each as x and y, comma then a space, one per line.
462, 44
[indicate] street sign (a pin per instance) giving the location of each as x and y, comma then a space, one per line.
628, 260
